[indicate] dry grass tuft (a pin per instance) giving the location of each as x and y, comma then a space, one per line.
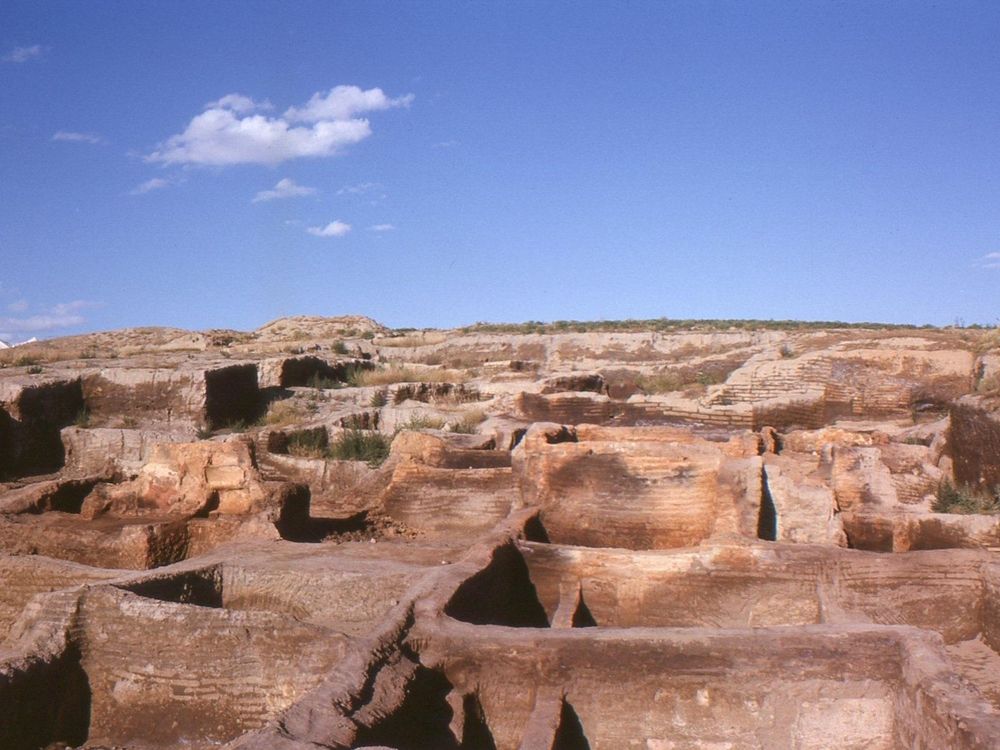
399, 374
287, 412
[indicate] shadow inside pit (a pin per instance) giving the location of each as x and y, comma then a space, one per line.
314, 530
570, 735
582, 616
767, 518
49, 708
421, 722
202, 588
500, 594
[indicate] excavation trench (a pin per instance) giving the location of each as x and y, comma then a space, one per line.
536, 584
127, 680
795, 689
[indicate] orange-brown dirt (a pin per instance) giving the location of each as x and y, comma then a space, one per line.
328, 534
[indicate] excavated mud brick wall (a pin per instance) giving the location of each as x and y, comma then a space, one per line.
974, 441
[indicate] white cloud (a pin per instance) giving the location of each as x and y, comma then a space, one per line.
226, 133
445, 144
239, 103
23, 54
285, 188
333, 229
149, 185
63, 315
69, 135
381, 228
67, 308
990, 260
19, 306
343, 103
360, 189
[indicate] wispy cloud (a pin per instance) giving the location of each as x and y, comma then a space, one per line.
73, 137
381, 228
23, 54
62, 315
343, 103
360, 189
18, 306
240, 104
231, 130
990, 260
285, 188
149, 185
445, 144
333, 229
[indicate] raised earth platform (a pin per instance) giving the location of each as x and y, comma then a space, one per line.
329, 534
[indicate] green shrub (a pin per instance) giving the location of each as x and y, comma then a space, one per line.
283, 412
82, 418
661, 382
422, 422
34, 370
322, 382
379, 398
469, 423
952, 498
359, 376
308, 444
360, 445
710, 378
340, 348
990, 384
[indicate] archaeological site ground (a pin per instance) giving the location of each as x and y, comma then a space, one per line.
654, 535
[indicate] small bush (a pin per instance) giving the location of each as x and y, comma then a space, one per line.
340, 348
987, 340
308, 444
379, 398
990, 384
360, 445
322, 382
396, 374
661, 382
34, 370
282, 413
469, 423
786, 351
952, 498
422, 422
82, 418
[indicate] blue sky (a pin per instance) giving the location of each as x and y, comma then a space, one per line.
435, 164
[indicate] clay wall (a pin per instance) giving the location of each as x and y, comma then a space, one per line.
791, 690
448, 500
227, 675
974, 442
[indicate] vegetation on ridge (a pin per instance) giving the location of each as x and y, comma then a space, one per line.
670, 324
959, 498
